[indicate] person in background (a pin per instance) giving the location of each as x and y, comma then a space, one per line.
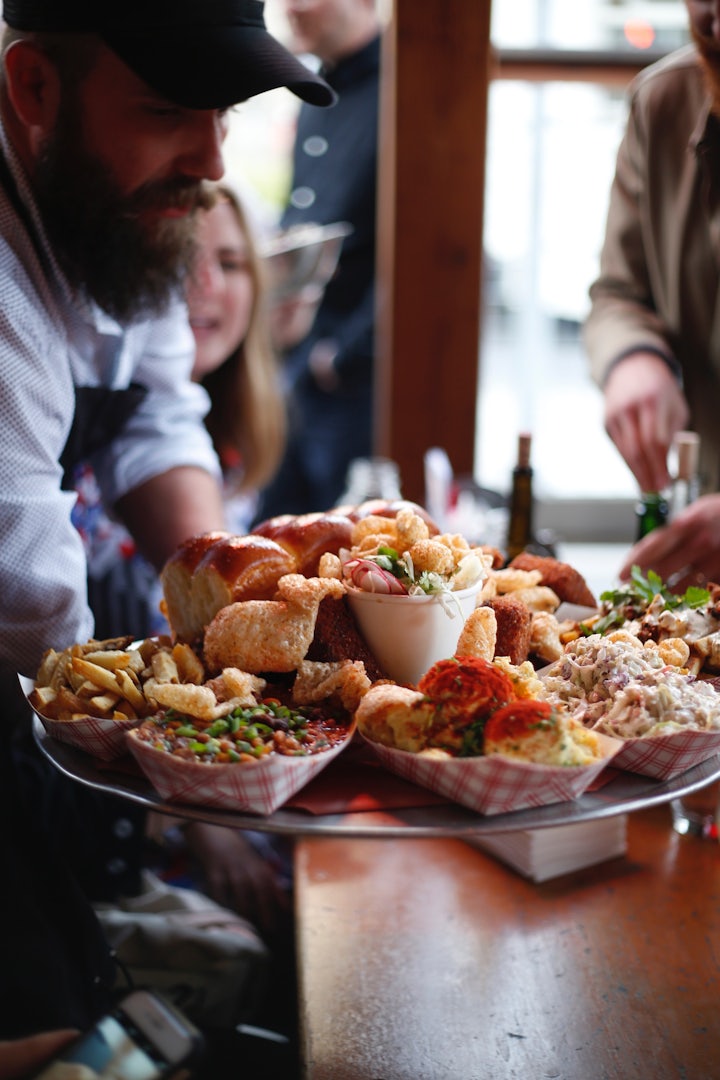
329, 373
652, 332
111, 122
234, 357
236, 365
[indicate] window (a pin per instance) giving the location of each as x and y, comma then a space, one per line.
553, 132
556, 114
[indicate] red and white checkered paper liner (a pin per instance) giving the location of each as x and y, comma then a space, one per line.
495, 784
257, 787
665, 756
103, 738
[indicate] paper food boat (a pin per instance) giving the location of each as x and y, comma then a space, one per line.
665, 756
257, 787
496, 784
102, 737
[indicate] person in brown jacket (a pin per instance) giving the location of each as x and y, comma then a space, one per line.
653, 332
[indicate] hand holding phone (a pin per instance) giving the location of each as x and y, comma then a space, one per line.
144, 1038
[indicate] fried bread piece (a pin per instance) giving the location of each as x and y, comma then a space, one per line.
563, 579
514, 627
395, 716
337, 637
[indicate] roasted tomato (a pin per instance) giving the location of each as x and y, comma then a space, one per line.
465, 692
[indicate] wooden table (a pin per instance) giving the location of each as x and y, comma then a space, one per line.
428, 960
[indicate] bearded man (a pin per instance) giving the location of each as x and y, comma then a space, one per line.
653, 333
112, 116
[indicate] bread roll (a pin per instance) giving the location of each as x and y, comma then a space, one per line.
177, 584
238, 568
307, 536
209, 572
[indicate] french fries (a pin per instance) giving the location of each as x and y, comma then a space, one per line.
103, 679
120, 682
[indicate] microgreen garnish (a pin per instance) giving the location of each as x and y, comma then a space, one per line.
631, 600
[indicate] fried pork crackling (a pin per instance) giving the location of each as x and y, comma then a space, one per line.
269, 635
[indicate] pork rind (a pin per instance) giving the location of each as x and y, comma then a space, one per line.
494, 784
269, 635
257, 787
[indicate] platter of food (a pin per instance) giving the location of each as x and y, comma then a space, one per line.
356, 671
625, 793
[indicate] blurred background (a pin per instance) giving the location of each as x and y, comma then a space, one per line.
557, 107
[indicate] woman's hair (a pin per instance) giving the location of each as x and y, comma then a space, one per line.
247, 411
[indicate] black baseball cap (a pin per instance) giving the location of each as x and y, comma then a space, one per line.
200, 54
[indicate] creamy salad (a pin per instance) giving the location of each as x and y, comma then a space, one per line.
619, 687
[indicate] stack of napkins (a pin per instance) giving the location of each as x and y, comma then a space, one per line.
540, 854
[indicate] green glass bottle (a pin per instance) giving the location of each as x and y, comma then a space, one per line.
520, 524
651, 511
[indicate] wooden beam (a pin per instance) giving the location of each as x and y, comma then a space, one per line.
430, 219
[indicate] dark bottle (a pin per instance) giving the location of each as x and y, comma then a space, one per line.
520, 525
651, 511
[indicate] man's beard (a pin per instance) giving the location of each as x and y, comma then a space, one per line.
709, 51
128, 263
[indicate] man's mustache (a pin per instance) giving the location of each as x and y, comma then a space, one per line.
185, 195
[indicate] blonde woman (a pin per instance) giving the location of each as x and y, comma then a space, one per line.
234, 358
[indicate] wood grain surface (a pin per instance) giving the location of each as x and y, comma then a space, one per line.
428, 960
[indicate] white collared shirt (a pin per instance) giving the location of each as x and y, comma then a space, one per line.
50, 342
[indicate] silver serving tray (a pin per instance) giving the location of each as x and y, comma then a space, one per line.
624, 794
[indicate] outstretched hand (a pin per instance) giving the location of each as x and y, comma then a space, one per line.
685, 552
644, 408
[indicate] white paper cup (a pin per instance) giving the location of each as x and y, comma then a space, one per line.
408, 634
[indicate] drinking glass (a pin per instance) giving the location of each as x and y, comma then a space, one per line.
697, 814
